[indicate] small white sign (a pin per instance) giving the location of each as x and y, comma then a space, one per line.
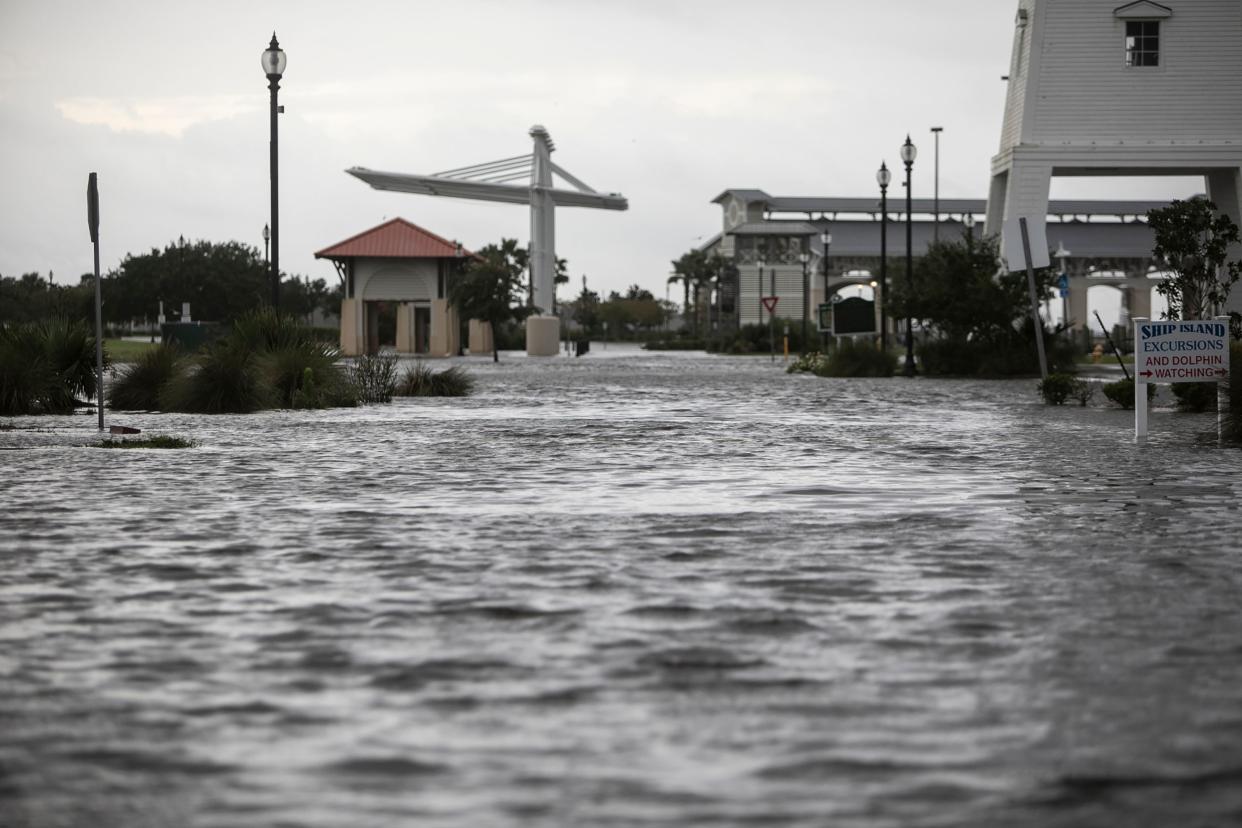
1166, 351
1011, 237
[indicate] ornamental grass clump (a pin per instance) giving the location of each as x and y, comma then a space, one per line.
421, 381
137, 387
225, 378
266, 361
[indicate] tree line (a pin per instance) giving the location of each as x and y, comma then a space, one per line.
221, 281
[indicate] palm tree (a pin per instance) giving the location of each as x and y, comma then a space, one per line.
685, 280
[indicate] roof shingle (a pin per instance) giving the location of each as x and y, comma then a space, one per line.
394, 239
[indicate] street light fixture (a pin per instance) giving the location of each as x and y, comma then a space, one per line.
273, 61
267, 237
804, 257
908, 154
883, 177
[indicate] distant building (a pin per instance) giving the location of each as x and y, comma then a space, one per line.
1102, 88
1108, 242
399, 265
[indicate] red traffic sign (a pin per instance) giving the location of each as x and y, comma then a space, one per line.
769, 302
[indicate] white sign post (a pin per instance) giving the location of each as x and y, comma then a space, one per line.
1167, 351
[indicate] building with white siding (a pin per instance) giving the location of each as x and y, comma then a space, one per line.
1101, 88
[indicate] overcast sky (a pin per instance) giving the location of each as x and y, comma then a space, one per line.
666, 102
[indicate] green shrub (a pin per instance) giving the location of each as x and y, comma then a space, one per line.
137, 387
46, 367
70, 346
1005, 356
1121, 392
857, 360
421, 381
1195, 396
1057, 388
147, 442
225, 378
810, 363
374, 376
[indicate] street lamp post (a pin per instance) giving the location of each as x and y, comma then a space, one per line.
772, 312
759, 288
273, 60
804, 257
267, 237
825, 239
908, 153
936, 186
883, 177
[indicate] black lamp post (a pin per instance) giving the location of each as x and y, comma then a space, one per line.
804, 257
883, 177
936, 186
759, 287
825, 239
273, 60
908, 153
267, 238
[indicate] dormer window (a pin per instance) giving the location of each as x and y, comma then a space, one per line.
1142, 25
1142, 43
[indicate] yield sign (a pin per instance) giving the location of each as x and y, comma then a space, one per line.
769, 302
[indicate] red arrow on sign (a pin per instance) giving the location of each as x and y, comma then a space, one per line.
1144, 373
769, 302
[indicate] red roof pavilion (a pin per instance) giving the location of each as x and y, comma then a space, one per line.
394, 239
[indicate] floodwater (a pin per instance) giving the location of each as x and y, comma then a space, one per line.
626, 590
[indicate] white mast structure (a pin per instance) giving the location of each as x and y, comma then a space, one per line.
494, 181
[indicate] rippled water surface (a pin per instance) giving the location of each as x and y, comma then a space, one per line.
626, 590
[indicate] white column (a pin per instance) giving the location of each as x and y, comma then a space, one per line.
1224, 189
542, 224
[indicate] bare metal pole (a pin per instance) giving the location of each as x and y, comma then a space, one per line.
92, 220
936, 187
1030, 286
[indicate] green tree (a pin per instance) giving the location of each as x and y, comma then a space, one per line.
586, 309
491, 287
31, 298
958, 292
221, 281
1193, 239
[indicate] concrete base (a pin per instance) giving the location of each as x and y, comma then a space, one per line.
543, 334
